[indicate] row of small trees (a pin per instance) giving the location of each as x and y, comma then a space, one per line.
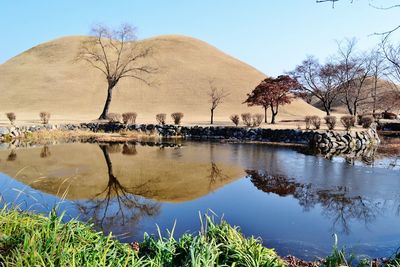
44, 117
347, 121
130, 118
248, 119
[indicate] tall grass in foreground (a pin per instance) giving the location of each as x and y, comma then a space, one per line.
339, 258
28, 239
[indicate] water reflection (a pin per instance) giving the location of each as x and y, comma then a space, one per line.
83, 171
117, 205
45, 152
12, 156
130, 187
366, 155
336, 202
387, 154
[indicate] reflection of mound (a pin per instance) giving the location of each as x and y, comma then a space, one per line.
82, 171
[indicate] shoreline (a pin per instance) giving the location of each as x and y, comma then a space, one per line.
323, 139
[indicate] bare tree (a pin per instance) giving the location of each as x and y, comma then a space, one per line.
116, 54
386, 34
217, 96
354, 69
378, 68
319, 81
392, 55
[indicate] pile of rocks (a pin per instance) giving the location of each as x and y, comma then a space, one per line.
354, 144
331, 140
10, 133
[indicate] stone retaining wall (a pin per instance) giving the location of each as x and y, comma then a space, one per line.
323, 140
389, 125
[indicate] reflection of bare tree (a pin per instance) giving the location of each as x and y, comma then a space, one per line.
336, 202
45, 152
116, 204
12, 156
216, 175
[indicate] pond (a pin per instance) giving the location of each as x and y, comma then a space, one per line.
294, 201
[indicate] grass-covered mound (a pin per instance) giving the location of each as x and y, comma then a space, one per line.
33, 240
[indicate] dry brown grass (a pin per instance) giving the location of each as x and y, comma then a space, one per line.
46, 135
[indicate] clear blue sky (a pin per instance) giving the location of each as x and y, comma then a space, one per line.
272, 35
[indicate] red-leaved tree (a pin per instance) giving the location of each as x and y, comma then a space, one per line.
272, 93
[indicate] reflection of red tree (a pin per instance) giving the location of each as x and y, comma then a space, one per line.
336, 203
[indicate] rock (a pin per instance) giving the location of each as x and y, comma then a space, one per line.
4, 131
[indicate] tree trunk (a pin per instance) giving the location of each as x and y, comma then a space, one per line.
355, 109
265, 114
327, 109
212, 116
274, 113
273, 118
109, 163
349, 108
104, 114
375, 91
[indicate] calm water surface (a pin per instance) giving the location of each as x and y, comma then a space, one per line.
293, 201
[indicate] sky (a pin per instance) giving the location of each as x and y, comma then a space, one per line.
271, 35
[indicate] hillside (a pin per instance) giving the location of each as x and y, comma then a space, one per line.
48, 78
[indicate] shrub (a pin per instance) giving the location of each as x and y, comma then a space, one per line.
257, 119
114, 117
129, 117
235, 119
246, 118
177, 117
366, 121
330, 122
389, 115
44, 117
161, 118
348, 121
307, 120
315, 122
11, 117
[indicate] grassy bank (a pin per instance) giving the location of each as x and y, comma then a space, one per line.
28, 239
34, 240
